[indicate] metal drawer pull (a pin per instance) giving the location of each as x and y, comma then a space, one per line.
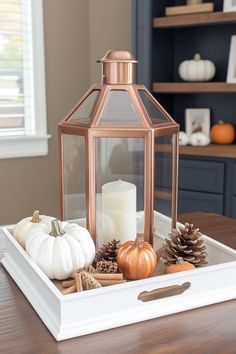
163, 292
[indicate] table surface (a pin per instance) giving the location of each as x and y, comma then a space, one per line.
210, 329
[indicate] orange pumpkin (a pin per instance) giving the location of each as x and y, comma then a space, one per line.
137, 259
222, 133
179, 266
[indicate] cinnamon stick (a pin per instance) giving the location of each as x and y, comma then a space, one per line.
70, 290
78, 282
111, 282
105, 276
108, 276
68, 283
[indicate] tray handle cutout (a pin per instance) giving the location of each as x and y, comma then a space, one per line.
163, 292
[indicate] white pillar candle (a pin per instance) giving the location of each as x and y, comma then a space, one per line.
119, 203
105, 228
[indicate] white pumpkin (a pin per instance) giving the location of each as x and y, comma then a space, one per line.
197, 69
36, 222
199, 139
183, 138
64, 250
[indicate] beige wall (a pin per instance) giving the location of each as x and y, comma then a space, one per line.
110, 28
77, 33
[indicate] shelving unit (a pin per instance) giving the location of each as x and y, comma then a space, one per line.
207, 174
208, 34
214, 18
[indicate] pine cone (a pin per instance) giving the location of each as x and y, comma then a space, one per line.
88, 281
108, 251
104, 266
185, 242
90, 269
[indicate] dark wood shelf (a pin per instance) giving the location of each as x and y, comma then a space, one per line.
192, 87
212, 150
212, 18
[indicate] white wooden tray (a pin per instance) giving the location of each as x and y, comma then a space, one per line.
77, 314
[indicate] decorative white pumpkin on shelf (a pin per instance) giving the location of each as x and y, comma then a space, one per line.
199, 139
197, 69
183, 138
36, 222
64, 250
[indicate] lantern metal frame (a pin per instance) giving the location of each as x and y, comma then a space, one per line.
118, 74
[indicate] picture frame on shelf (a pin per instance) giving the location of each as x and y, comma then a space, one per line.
231, 72
229, 5
197, 120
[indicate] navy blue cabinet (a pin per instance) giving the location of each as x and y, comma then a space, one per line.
201, 186
207, 184
204, 176
204, 184
234, 179
234, 207
197, 201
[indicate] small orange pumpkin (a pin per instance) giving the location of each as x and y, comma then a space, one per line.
222, 133
179, 266
137, 259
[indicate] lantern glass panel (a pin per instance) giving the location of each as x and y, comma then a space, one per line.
119, 188
119, 110
163, 181
84, 112
74, 177
156, 115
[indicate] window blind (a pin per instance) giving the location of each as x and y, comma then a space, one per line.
16, 68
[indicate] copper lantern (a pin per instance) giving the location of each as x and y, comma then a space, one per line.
119, 157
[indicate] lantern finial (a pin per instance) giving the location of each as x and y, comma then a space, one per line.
118, 67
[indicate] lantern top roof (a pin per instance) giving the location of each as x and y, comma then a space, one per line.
118, 102
122, 56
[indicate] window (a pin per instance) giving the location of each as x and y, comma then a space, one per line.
23, 129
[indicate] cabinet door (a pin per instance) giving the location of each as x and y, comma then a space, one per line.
195, 201
162, 178
233, 208
202, 176
195, 175
234, 179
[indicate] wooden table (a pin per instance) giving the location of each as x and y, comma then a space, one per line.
206, 330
